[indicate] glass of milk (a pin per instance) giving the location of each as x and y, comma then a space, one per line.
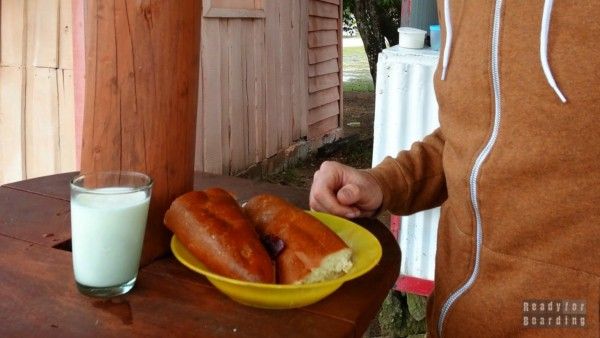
108, 221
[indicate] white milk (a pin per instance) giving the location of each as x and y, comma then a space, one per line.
107, 235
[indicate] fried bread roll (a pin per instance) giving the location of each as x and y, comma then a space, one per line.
213, 227
311, 253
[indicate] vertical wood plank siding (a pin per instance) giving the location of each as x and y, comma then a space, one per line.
267, 83
37, 123
265, 80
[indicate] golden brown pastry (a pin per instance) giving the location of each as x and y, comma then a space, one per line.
213, 227
311, 251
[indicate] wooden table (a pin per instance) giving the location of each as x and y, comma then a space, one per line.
39, 297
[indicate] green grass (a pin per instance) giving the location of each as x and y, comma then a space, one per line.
359, 85
356, 71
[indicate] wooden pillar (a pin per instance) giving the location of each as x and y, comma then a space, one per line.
77, 8
142, 65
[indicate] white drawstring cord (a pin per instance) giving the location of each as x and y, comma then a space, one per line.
544, 48
448, 44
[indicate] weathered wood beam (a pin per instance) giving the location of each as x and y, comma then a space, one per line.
141, 92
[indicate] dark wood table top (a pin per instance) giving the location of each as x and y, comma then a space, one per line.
39, 297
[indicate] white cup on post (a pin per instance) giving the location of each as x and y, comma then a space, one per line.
108, 221
409, 37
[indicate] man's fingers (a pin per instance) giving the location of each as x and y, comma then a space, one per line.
322, 201
348, 194
334, 190
353, 213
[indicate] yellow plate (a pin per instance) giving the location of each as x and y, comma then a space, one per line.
366, 254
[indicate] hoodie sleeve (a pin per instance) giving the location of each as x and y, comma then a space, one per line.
414, 180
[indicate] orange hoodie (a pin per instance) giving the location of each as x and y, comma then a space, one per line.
515, 166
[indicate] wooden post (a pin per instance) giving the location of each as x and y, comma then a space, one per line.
141, 96
77, 13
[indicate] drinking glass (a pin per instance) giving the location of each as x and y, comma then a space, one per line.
108, 220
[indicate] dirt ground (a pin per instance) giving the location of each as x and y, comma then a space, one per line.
359, 106
354, 150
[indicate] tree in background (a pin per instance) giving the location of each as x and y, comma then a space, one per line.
376, 21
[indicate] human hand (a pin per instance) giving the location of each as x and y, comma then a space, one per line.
344, 191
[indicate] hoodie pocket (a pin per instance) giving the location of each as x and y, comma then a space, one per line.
519, 297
